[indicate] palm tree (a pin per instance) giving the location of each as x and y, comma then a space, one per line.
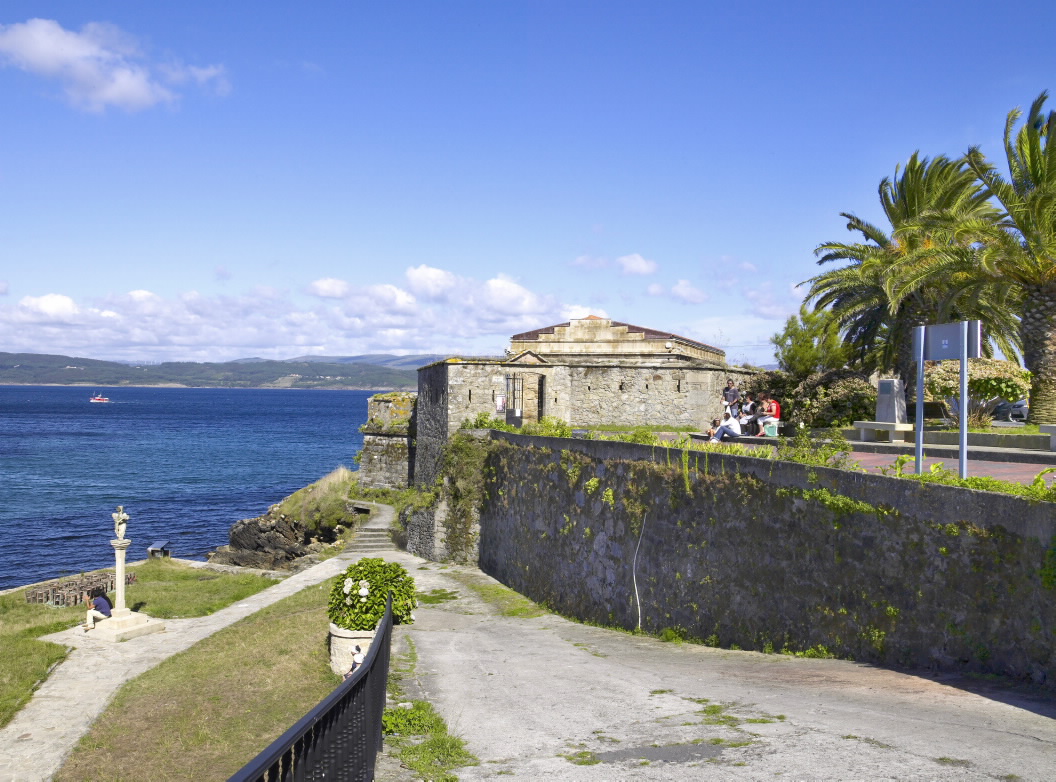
874, 305
1023, 251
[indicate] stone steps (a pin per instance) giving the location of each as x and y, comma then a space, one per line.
371, 540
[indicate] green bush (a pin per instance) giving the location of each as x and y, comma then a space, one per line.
548, 426
357, 598
485, 421
834, 398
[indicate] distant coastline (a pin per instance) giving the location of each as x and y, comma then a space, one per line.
335, 374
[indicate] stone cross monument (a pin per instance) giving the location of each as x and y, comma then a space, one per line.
120, 544
123, 622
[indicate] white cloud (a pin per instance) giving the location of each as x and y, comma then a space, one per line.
329, 288
100, 66
429, 281
574, 311
749, 267
636, 264
683, 291
53, 307
212, 78
688, 292
390, 298
766, 304
4, 289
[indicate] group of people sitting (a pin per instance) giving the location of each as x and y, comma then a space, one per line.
743, 415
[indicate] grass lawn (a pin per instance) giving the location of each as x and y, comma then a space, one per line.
204, 713
164, 589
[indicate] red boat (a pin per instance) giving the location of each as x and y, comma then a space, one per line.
99, 398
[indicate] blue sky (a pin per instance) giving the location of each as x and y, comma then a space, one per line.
207, 181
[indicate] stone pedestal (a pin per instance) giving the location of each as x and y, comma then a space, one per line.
343, 645
123, 623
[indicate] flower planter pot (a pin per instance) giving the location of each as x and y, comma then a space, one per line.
343, 645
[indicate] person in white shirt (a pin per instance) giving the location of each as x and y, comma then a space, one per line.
730, 427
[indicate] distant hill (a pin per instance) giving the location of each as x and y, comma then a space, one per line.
376, 359
43, 369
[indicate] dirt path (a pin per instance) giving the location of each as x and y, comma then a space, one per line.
545, 698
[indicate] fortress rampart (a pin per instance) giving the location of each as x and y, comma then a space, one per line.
758, 554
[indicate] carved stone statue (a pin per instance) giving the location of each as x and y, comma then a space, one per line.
120, 522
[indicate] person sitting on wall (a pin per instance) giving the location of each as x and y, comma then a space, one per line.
731, 397
747, 414
716, 424
729, 429
771, 415
98, 608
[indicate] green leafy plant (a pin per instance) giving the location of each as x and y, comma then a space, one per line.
357, 598
989, 381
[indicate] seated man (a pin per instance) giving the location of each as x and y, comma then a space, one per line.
98, 608
730, 428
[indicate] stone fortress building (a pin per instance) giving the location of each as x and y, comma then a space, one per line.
590, 372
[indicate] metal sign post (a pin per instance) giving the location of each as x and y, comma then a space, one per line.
939, 343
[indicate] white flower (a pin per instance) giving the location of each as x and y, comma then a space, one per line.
364, 583
362, 599
363, 591
348, 601
348, 585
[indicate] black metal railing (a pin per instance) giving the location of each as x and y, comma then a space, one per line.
340, 738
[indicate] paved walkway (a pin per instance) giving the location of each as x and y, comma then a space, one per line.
1017, 471
35, 743
546, 698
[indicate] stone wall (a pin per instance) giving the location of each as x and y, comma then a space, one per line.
674, 395
387, 458
761, 554
385, 461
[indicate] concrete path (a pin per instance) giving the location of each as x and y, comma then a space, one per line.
536, 697
35, 743
541, 698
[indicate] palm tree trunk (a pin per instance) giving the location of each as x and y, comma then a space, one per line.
910, 315
1038, 331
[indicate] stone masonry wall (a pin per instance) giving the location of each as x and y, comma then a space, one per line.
453, 391
763, 554
385, 461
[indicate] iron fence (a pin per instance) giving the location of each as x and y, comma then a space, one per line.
340, 738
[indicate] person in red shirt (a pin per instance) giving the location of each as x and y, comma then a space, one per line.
771, 414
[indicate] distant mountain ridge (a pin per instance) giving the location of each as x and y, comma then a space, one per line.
47, 369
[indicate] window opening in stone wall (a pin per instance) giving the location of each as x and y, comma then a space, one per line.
621, 386
471, 395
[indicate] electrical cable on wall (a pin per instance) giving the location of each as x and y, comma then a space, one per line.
634, 570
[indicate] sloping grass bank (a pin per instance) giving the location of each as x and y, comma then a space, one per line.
204, 713
163, 589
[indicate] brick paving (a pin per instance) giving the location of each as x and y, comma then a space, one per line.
1018, 472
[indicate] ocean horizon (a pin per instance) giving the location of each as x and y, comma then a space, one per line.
186, 464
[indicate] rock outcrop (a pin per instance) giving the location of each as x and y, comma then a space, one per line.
275, 541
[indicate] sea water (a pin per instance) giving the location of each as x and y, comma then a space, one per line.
185, 463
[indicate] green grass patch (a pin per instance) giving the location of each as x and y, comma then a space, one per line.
173, 590
582, 758
26, 659
436, 596
204, 713
163, 588
418, 735
953, 762
504, 599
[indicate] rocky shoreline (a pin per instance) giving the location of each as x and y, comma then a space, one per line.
277, 541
